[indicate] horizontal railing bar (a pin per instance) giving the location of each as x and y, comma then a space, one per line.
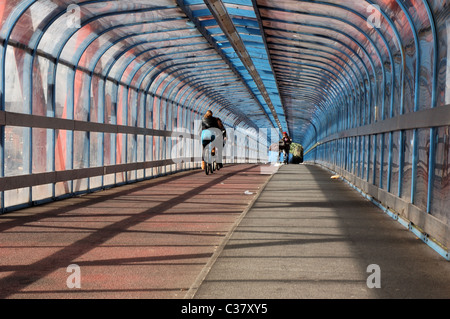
435, 117
29, 180
38, 121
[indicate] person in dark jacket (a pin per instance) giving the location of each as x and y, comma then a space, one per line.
285, 145
209, 121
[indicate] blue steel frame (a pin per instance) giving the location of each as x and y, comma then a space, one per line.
77, 56
9, 24
201, 26
433, 130
53, 77
393, 77
355, 54
350, 59
117, 59
342, 88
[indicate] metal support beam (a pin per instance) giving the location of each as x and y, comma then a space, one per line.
214, 45
223, 19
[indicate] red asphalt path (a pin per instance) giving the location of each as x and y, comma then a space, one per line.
150, 239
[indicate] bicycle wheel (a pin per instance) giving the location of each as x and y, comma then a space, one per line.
206, 161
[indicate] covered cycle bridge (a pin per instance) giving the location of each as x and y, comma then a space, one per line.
100, 109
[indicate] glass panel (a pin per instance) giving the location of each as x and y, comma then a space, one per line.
17, 197
15, 97
17, 151
81, 158
63, 159
408, 144
395, 163
43, 160
109, 156
140, 155
385, 138
95, 157
149, 154
64, 92
371, 144
441, 188
120, 155
131, 149
422, 169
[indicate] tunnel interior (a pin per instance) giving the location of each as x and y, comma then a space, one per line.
100, 93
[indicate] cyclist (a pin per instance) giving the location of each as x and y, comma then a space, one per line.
285, 145
210, 127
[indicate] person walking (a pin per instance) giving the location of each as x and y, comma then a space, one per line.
285, 147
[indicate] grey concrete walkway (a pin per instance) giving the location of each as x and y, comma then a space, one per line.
309, 236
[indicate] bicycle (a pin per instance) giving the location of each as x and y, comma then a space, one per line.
210, 158
207, 157
215, 165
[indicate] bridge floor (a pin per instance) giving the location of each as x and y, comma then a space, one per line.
240, 233
145, 240
309, 236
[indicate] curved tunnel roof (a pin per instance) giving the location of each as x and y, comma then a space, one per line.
295, 66
100, 93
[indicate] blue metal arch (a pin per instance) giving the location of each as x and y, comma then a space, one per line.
344, 53
314, 61
340, 88
349, 48
352, 39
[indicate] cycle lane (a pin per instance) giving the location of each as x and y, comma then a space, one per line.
145, 240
